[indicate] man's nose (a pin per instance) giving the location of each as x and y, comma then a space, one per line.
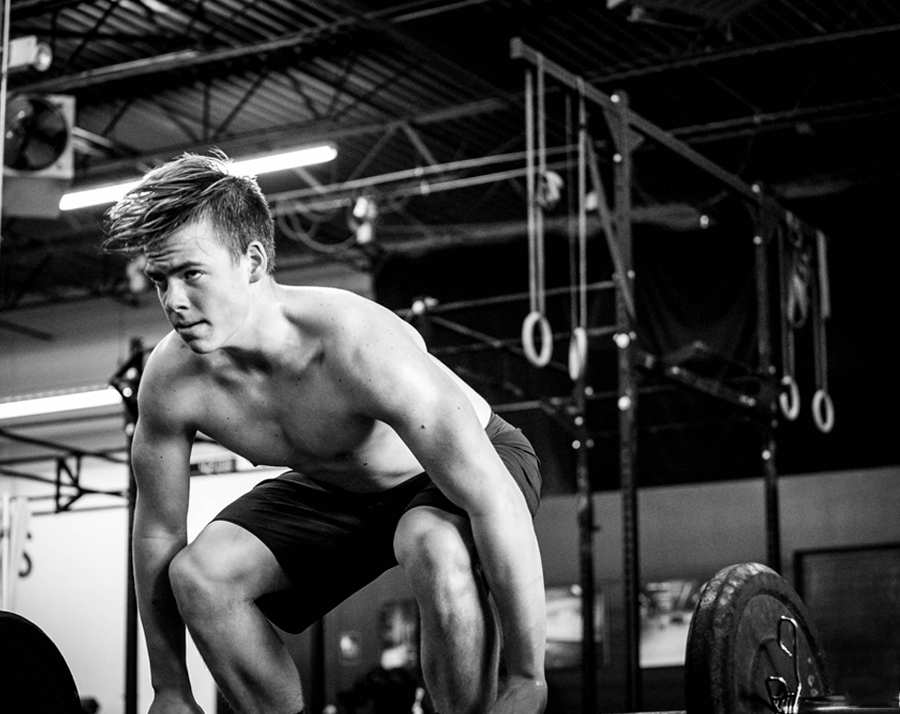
175, 297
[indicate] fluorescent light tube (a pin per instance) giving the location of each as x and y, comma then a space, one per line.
95, 196
56, 403
254, 166
290, 160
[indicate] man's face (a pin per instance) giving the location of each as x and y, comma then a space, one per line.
204, 293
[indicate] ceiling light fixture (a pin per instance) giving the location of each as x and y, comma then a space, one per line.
56, 403
253, 166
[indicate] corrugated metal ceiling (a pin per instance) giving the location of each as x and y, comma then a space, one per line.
801, 96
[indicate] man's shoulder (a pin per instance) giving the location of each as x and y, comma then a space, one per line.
169, 369
166, 401
316, 297
168, 353
326, 308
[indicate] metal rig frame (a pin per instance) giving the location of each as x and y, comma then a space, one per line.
623, 123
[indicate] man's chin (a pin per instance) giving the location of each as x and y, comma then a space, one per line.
194, 342
200, 347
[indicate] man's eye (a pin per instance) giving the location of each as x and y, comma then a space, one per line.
192, 274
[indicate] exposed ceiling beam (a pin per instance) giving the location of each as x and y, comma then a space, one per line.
385, 25
311, 133
771, 121
31, 8
182, 60
188, 59
712, 57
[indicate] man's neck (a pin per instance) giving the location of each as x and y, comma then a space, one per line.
266, 335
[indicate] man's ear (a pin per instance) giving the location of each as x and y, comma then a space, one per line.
259, 261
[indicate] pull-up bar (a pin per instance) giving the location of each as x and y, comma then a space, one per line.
520, 50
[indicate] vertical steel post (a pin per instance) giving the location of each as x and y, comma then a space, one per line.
627, 401
130, 380
765, 230
770, 478
585, 497
131, 609
585, 555
586, 564
4, 74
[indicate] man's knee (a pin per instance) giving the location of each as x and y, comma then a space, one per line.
207, 571
193, 579
426, 537
437, 555
224, 564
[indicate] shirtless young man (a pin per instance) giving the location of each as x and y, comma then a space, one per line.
343, 393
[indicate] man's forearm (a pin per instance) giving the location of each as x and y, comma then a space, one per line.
163, 627
511, 561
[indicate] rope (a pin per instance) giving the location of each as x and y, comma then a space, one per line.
789, 398
822, 406
578, 342
536, 317
799, 278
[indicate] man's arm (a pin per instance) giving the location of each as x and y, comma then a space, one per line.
460, 459
406, 389
161, 462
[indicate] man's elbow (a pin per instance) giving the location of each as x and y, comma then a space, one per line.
502, 502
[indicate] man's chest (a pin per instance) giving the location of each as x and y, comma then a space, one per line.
283, 422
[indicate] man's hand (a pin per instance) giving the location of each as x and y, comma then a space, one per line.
521, 696
170, 701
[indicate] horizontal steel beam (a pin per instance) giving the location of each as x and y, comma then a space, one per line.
180, 61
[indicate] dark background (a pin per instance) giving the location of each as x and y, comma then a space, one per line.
690, 285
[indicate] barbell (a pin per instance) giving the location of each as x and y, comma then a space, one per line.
752, 648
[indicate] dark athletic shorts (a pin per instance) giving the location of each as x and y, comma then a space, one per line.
331, 543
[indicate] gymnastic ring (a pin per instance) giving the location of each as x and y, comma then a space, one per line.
541, 359
577, 353
824, 420
789, 400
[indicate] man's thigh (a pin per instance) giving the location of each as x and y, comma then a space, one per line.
329, 544
232, 557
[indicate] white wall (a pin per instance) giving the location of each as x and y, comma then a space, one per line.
90, 338
76, 594
76, 591
694, 530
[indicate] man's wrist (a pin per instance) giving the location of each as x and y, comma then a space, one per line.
176, 687
537, 683
523, 680
521, 695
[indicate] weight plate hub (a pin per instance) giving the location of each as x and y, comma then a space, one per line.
735, 644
